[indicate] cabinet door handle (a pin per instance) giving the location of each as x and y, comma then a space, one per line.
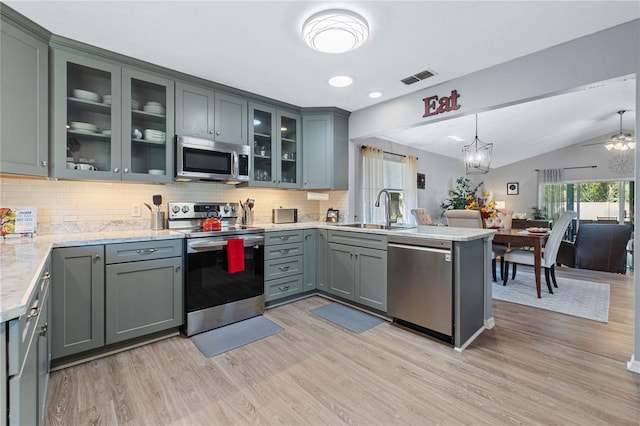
177, 269
46, 276
126, 170
44, 164
283, 268
96, 257
43, 329
284, 251
116, 170
284, 237
33, 312
146, 251
210, 132
283, 288
218, 133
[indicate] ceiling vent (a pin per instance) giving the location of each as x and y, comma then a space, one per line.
418, 77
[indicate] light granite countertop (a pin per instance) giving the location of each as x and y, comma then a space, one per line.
22, 260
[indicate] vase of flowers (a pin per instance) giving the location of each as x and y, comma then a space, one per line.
468, 196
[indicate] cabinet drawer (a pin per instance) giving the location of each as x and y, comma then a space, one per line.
283, 250
21, 329
280, 237
276, 289
358, 239
286, 267
145, 250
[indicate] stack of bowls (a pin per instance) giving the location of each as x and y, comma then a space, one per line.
135, 104
106, 99
154, 107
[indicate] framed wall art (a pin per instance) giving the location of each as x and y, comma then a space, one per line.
421, 181
513, 188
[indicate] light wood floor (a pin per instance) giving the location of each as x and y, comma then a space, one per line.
534, 367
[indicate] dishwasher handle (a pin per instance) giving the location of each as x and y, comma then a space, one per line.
420, 248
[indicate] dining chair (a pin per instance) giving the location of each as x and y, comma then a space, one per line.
548, 260
422, 216
473, 219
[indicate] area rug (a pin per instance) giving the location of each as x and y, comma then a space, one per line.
583, 299
223, 339
346, 317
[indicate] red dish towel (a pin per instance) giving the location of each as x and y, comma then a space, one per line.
235, 255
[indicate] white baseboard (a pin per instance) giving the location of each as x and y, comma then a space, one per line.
634, 365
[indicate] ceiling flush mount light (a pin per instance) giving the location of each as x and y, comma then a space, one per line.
374, 95
477, 155
340, 81
335, 31
621, 141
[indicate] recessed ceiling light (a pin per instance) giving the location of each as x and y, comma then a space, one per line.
340, 81
335, 31
456, 138
375, 94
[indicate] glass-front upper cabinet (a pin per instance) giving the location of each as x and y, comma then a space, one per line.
289, 148
147, 127
262, 135
274, 135
86, 118
110, 122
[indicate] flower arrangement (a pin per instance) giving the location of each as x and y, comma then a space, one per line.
465, 196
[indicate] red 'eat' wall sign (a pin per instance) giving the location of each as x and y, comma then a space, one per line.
434, 105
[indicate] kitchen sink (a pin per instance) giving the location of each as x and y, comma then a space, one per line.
376, 226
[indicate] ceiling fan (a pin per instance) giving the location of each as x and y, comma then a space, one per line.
621, 141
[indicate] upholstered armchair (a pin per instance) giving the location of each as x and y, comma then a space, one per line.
422, 216
598, 246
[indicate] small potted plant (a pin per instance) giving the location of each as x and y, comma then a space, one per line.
539, 213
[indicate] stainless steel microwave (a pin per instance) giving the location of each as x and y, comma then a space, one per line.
202, 159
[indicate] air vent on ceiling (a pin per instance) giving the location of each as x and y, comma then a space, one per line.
418, 77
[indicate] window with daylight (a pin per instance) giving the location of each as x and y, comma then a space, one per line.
397, 174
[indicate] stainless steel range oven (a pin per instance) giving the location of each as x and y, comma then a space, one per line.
214, 297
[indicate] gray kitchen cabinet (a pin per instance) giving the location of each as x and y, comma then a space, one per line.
283, 264
109, 122
206, 114
147, 127
143, 290
357, 265
275, 135
77, 323
24, 122
325, 143
309, 260
322, 249
28, 358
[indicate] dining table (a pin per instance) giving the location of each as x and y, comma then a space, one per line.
522, 237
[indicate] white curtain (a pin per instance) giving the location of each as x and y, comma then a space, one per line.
372, 183
409, 178
550, 181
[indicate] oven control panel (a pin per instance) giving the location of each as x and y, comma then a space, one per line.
185, 210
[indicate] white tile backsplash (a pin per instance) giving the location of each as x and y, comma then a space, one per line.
82, 206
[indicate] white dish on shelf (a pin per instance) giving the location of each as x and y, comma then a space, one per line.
153, 109
87, 95
135, 104
150, 103
79, 125
106, 132
156, 172
106, 99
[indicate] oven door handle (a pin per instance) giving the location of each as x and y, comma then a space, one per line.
218, 245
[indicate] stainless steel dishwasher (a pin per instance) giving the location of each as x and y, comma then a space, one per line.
420, 286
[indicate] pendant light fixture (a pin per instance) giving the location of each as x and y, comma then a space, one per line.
335, 31
477, 155
621, 141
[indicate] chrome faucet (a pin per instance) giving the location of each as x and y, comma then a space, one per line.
387, 211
